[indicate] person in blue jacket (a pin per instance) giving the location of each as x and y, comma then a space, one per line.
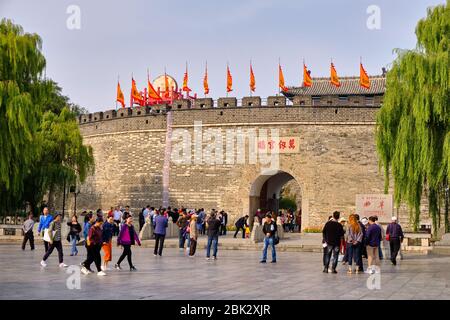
44, 223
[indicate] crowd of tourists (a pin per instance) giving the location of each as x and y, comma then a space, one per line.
97, 230
360, 239
353, 242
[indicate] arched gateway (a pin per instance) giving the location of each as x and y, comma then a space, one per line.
265, 191
325, 141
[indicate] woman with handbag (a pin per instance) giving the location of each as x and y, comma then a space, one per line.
53, 237
74, 234
44, 222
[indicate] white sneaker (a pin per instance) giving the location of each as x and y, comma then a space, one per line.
208, 258
85, 271
101, 273
103, 268
43, 263
63, 265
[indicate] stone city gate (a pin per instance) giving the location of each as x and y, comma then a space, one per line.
335, 160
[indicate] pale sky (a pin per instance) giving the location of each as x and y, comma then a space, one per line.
124, 37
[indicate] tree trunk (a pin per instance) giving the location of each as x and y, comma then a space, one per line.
51, 198
446, 224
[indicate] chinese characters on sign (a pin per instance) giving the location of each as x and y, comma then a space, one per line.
279, 145
375, 205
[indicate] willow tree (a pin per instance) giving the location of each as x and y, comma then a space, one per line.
41, 147
21, 90
413, 137
62, 157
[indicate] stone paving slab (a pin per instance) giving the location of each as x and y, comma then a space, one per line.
237, 274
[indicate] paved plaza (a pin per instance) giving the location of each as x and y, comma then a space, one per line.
237, 274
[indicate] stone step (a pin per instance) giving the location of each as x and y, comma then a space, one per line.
441, 250
446, 237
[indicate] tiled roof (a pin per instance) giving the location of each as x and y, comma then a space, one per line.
349, 86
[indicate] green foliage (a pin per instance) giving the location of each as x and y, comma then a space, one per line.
21, 92
288, 203
41, 146
313, 230
413, 138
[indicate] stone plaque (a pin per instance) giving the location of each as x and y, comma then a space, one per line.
380, 205
9, 231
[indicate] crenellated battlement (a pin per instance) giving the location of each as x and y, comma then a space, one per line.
357, 102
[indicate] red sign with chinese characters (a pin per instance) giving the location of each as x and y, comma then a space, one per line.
279, 145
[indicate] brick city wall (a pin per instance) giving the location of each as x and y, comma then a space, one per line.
336, 161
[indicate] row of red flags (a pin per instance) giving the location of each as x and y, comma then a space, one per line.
155, 96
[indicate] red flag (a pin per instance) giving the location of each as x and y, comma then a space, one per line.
120, 98
205, 80
307, 80
135, 94
229, 80
334, 76
281, 79
364, 79
185, 81
166, 85
252, 79
152, 93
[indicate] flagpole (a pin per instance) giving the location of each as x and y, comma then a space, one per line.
303, 71
250, 77
228, 68
187, 92
279, 66
131, 92
116, 90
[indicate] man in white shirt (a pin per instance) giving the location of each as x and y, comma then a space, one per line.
117, 216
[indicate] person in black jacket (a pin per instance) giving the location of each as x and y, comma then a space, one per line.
363, 251
74, 234
269, 229
213, 235
332, 233
241, 224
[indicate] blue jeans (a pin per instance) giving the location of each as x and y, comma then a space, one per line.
354, 253
73, 242
188, 240
380, 252
268, 241
214, 241
331, 250
181, 238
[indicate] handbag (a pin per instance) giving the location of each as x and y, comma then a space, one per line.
388, 237
47, 237
276, 239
